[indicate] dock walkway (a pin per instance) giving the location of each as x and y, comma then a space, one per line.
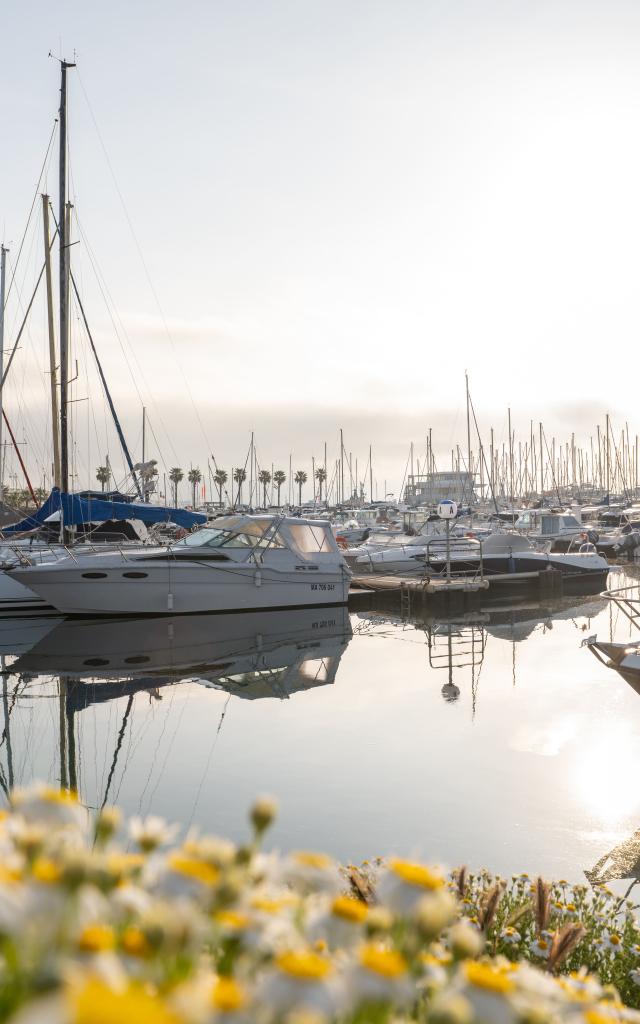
459, 591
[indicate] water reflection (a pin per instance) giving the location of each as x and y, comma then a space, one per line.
458, 644
94, 661
475, 738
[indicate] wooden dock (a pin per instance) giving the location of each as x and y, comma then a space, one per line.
459, 592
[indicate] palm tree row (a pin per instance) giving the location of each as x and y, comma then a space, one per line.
220, 478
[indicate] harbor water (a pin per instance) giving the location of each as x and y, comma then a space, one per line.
492, 739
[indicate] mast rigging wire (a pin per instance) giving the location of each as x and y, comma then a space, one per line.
144, 264
33, 203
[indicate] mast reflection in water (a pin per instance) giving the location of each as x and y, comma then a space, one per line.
489, 738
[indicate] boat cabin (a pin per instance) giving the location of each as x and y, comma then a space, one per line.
241, 536
548, 525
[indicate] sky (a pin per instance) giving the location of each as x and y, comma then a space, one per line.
309, 216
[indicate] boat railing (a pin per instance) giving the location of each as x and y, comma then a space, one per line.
625, 600
460, 550
54, 551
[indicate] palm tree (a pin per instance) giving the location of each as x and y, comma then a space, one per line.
175, 476
220, 480
300, 478
321, 476
194, 476
264, 476
279, 478
239, 475
103, 475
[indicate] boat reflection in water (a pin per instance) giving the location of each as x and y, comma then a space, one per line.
261, 654
458, 643
90, 662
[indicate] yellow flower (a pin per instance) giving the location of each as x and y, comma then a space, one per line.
46, 870
96, 1003
387, 962
191, 867
9, 874
134, 942
270, 906
58, 796
598, 1017
96, 938
304, 965
232, 919
309, 859
349, 909
228, 995
432, 960
487, 977
416, 874
124, 863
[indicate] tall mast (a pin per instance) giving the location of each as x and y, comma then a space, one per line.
3, 268
510, 459
608, 462
370, 477
469, 465
53, 371
64, 280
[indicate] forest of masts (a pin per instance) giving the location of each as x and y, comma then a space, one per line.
512, 471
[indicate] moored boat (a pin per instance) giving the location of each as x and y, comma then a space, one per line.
240, 563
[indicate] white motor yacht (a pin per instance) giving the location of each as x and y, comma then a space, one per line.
497, 554
558, 529
240, 563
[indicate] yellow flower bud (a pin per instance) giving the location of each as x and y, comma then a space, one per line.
451, 1009
263, 813
435, 912
465, 941
107, 823
379, 919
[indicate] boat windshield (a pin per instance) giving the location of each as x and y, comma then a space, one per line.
209, 537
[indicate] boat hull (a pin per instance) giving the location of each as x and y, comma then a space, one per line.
180, 588
492, 565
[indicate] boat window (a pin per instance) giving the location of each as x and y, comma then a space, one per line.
571, 522
310, 539
550, 524
209, 537
524, 521
206, 537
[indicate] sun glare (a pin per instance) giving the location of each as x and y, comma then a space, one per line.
605, 773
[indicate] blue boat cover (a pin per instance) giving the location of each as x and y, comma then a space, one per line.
76, 511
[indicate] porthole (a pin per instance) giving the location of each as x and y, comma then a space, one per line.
95, 662
94, 575
136, 575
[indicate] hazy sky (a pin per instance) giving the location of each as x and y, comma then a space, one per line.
340, 206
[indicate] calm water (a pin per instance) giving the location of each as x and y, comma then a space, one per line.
490, 740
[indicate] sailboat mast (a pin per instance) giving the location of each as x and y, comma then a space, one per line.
469, 465
3, 269
64, 280
53, 370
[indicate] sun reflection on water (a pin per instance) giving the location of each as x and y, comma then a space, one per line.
604, 774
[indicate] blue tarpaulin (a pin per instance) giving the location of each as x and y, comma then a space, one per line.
76, 511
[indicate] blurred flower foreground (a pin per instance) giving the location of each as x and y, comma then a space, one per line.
103, 921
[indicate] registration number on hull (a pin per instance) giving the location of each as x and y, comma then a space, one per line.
323, 586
